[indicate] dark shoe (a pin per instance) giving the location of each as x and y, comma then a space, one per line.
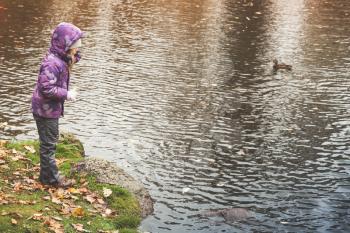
63, 182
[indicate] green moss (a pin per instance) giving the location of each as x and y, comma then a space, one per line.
125, 221
70, 151
127, 230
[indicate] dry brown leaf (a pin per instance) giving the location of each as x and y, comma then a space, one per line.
83, 190
90, 198
101, 201
38, 186
16, 173
23, 202
56, 200
3, 213
54, 225
65, 210
2, 161
47, 198
82, 180
74, 197
3, 143
108, 213
79, 227
57, 218
13, 221
85, 184
17, 186
4, 167
37, 217
30, 149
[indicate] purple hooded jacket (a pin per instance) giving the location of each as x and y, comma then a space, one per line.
52, 85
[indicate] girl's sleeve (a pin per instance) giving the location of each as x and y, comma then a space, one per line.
47, 83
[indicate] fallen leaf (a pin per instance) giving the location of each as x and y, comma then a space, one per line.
38, 186
30, 149
60, 161
16, 173
85, 184
73, 190
107, 192
3, 142
13, 221
57, 218
37, 217
2, 161
17, 186
82, 180
47, 198
109, 212
101, 201
54, 225
3, 213
90, 198
79, 227
74, 197
83, 190
4, 167
78, 212
56, 200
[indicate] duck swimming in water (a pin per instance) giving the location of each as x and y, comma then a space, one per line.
281, 66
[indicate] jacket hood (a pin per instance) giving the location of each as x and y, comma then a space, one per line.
64, 35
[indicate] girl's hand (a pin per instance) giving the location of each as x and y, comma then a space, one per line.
72, 95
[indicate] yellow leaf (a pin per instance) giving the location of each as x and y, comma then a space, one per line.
78, 212
73, 190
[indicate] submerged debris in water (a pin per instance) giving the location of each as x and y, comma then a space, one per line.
229, 214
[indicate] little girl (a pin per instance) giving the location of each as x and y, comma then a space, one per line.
51, 90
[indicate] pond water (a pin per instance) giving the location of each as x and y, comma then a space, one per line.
181, 94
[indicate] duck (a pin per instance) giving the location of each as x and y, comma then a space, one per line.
280, 66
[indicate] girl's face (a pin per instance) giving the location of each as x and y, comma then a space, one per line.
72, 52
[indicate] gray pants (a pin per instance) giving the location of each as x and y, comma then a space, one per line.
48, 136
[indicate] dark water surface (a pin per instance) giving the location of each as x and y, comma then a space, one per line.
181, 94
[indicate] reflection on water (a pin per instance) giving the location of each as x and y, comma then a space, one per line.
181, 94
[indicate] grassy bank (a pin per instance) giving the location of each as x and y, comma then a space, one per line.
88, 206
